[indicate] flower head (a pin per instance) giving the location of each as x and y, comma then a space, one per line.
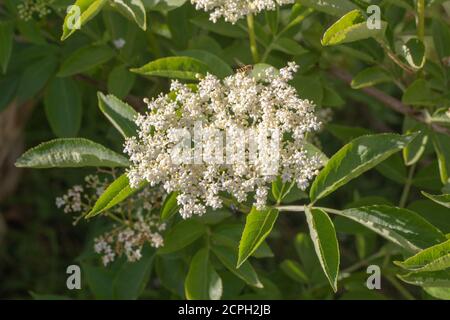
231, 136
233, 10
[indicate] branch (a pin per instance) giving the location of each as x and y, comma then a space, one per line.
389, 101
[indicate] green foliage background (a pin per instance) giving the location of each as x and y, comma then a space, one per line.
392, 80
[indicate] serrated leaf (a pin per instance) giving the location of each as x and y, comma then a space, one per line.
370, 77
186, 68
325, 242
202, 281
63, 107
182, 235
71, 153
84, 59
118, 191
355, 158
119, 113
258, 226
434, 258
79, 14
401, 226
351, 27
228, 257
443, 199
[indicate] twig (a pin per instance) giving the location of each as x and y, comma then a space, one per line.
389, 101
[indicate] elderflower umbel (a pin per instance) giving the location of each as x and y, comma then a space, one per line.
28, 8
239, 103
233, 10
129, 240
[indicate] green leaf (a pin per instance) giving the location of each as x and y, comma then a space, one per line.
370, 77
351, 27
401, 226
79, 14
35, 77
416, 148
435, 279
419, 94
132, 9
258, 226
441, 144
120, 114
441, 38
434, 213
414, 53
170, 206
118, 191
325, 242
120, 81
202, 281
215, 64
434, 258
220, 27
228, 257
355, 158
289, 46
85, 59
6, 43
63, 107
186, 68
132, 278
438, 293
71, 153
331, 7
294, 271
443, 199
182, 235
9, 86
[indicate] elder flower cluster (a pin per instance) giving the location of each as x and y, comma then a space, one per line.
136, 220
28, 8
129, 240
233, 10
241, 105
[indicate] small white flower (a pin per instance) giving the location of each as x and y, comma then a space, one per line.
119, 43
233, 10
240, 106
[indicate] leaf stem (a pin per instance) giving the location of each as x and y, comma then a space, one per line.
421, 19
407, 187
252, 38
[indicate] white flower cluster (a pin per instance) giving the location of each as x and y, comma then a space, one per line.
239, 103
76, 200
28, 8
130, 240
233, 10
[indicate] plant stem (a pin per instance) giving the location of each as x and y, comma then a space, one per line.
405, 293
252, 38
421, 19
407, 187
